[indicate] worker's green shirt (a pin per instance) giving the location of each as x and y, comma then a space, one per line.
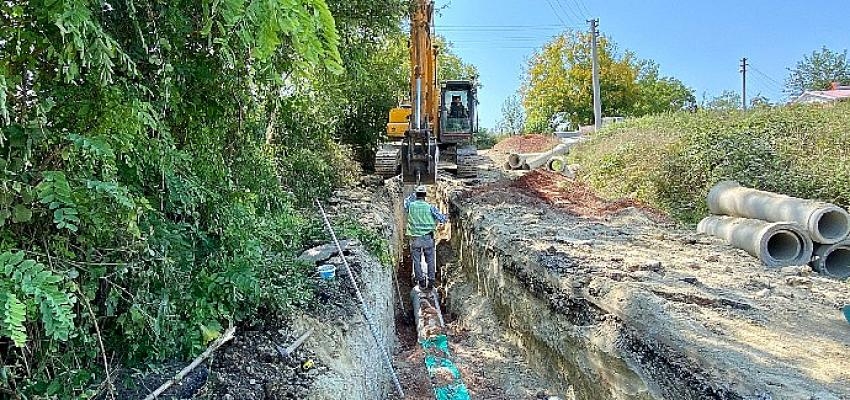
420, 220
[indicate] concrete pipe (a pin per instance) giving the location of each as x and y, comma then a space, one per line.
517, 160
826, 223
775, 244
833, 260
542, 159
556, 164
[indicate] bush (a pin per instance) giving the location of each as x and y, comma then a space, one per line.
671, 161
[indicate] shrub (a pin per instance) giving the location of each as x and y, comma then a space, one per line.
671, 161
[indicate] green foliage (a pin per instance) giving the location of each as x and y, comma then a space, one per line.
155, 154
671, 161
484, 139
513, 117
450, 66
727, 101
27, 289
558, 81
818, 71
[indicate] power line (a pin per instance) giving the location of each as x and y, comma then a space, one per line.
766, 76
555, 12
577, 16
584, 7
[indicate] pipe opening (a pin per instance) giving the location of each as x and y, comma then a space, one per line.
837, 263
514, 161
784, 246
833, 225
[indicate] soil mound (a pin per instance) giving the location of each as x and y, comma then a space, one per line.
527, 144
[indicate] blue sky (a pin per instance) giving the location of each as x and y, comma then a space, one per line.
698, 42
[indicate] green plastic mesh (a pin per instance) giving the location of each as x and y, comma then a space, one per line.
438, 359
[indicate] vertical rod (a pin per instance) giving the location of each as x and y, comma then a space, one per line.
363, 307
744, 66
597, 95
418, 103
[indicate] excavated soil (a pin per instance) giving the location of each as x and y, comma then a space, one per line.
531, 143
624, 305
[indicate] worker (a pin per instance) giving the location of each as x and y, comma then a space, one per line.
457, 110
422, 220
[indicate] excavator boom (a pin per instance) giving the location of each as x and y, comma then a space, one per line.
436, 118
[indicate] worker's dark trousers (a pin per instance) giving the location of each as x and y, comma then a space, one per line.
419, 246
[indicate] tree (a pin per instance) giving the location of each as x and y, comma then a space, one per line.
513, 117
818, 71
660, 94
760, 101
450, 66
558, 82
727, 101
154, 155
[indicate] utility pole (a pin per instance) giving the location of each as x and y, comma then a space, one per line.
597, 94
744, 66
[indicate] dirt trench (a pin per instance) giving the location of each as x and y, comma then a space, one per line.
552, 293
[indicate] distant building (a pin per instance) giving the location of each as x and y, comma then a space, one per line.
835, 94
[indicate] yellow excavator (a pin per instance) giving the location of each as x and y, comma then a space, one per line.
439, 119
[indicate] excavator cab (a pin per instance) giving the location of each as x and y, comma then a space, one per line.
458, 111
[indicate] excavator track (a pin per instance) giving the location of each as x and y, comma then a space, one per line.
387, 162
467, 162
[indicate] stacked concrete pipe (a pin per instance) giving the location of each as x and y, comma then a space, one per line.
517, 160
557, 164
542, 159
775, 244
826, 223
833, 259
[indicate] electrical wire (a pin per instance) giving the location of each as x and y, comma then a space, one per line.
576, 16
556, 12
766, 76
584, 7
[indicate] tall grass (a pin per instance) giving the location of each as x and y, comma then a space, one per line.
670, 161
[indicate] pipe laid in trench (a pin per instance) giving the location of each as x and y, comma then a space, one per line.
775, 244
833, 259
443, 373
826, 223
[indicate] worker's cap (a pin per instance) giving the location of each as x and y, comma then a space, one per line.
421, 189
455, 97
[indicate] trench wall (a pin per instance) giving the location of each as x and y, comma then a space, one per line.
592, 353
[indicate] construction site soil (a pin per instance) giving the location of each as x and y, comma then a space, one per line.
619, 303
551, 291
531, 143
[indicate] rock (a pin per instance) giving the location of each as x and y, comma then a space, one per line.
322, 253
654, 266
690, 279
763, 293
798, 281
713, 258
